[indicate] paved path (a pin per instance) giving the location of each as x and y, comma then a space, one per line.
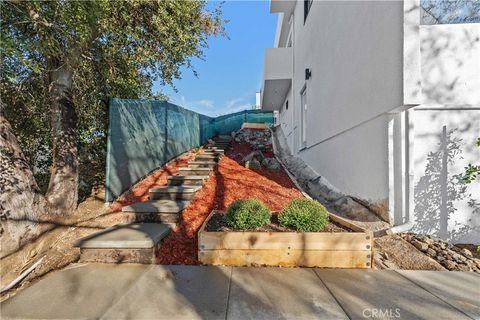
193, 292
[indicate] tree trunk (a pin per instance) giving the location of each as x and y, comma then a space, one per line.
24, 212
21, 205
62, 193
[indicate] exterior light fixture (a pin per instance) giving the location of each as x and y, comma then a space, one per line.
308, 74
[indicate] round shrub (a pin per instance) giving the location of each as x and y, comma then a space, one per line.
304, 215
247, 214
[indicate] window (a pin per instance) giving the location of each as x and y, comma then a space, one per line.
306, 8
286, 105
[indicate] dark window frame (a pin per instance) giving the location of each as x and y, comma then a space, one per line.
307, 4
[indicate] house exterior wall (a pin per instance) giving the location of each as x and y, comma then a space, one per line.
354, 81
370, 63
447, 125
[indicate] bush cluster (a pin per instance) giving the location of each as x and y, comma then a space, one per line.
247, 214
304, 215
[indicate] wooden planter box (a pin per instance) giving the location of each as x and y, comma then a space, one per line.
285, 249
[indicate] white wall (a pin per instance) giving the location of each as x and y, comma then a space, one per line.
450, 56
354, 50
451, 64
286, 119
461, 210
356, 161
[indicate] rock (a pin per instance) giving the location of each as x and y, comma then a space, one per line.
271, 163
442, 245
253, 164
248, 157
463, 267
466, 253
458, 257
429, 241
450, 265
440, 258
259, 155
431, 252
420, 245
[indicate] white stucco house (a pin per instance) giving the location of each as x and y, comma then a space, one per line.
383, 105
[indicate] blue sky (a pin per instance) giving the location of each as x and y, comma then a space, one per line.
232, 70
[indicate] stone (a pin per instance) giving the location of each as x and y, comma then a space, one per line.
450, 265
462, 267
458, 257
431, 252
420, 245
271, 163
248, 157
466, 253
253, 164
440, 258
429, 241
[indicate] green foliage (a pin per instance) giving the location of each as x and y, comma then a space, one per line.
304, 215
472, 172
247, 214
114, 48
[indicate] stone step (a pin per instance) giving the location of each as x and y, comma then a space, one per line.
201, 164
206, 157
194, 171
186, 180
123, 243
173, 193
214, 152
213, 148
163, 211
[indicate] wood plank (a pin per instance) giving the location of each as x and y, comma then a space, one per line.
285, 240
287, 258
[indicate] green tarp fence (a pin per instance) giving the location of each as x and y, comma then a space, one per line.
145, 134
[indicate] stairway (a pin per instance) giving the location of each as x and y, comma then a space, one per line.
151, 221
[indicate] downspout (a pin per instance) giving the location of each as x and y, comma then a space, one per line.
402, 227
407, 131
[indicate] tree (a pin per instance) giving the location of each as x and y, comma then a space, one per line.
472, 171
58, 59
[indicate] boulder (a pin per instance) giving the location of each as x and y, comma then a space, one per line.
271, 163
420, 245
253, 164
466, 253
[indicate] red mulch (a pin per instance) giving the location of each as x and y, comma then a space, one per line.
229, 182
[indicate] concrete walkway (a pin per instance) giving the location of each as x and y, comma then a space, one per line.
89, 291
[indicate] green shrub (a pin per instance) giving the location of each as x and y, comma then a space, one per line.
304, 215
247, 214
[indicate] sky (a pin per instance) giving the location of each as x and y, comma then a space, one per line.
232, 71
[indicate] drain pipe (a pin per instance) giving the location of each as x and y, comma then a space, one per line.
402, 227
405, 126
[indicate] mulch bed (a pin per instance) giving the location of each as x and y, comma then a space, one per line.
217, 223
230, 181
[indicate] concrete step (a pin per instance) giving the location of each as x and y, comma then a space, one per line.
186, 180
173, 193
163, 211
124, 243
206, 157
213, 151
201, 164
194, 171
